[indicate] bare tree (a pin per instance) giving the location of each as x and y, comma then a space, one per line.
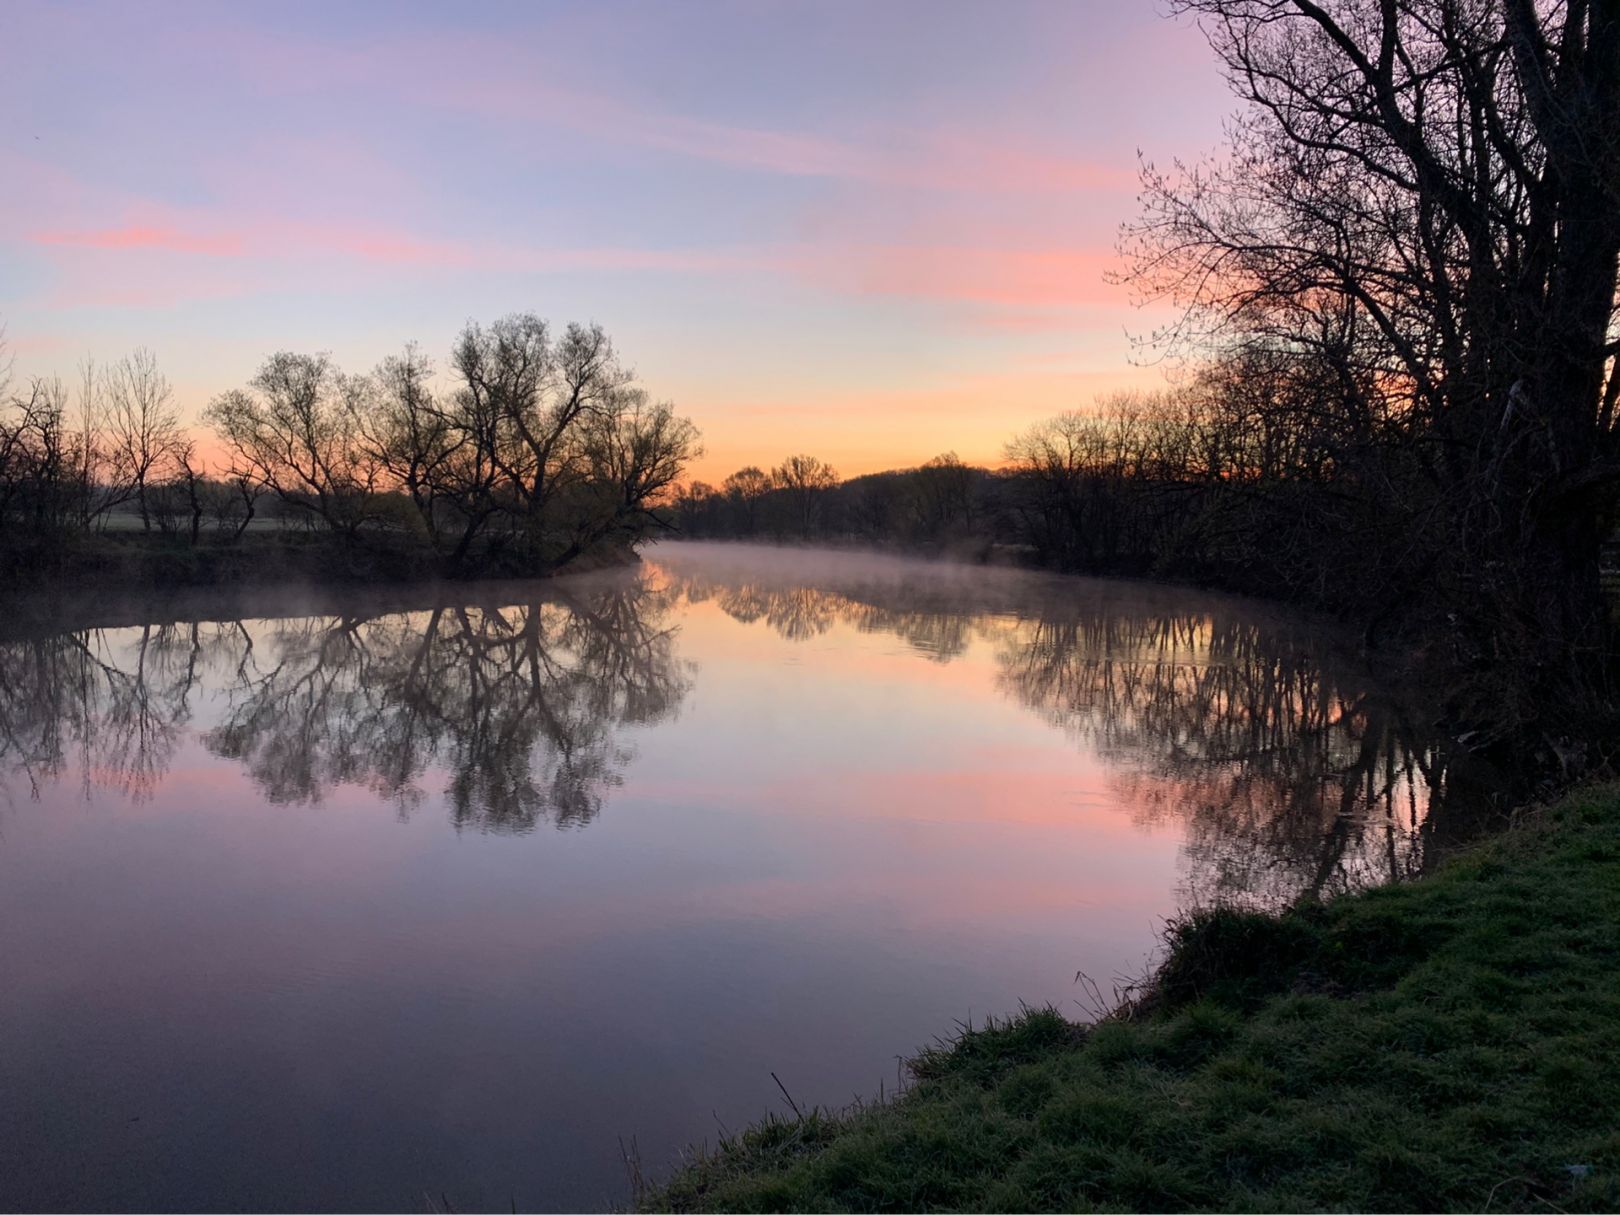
407, 434
744, 489
550, 440
42, 492
692, 505
804, 482
103, 488
292, 432
232, 503
1424, 197
142, 430
634, 450
189, 485
544, 448
941, 497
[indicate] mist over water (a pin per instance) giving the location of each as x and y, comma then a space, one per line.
447, 893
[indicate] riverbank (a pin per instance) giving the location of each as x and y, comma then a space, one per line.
136, 561
164, 579
1450, 1043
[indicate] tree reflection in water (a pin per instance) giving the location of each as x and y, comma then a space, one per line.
520, 706
1291, 771
1294, 774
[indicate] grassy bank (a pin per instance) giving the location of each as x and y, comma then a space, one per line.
1453, 1043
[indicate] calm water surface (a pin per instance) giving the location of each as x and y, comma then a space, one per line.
440, 899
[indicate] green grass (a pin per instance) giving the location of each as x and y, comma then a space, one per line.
1452, 1043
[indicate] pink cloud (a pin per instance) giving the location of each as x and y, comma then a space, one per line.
1023, 320
1017, 288
142, 236
130, 251
1027, 277
274, 239
1020, 277
189, 257
29, 345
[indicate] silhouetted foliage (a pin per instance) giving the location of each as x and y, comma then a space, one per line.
943, 504
1415, 235
542, 450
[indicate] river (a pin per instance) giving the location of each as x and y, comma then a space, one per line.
453, 899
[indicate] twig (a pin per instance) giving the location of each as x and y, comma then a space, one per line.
792, 1103
1489, 1198
632, 1166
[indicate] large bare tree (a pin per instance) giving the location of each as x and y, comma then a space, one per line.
403, 429
804, 482
1423, 198
293, 431
744, 490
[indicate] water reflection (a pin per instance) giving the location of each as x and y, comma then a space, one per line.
868, 797
518, 709
926, 612
1291, 774
112, 712
1291, 771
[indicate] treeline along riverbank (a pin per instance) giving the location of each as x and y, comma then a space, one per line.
542, 453
268, 556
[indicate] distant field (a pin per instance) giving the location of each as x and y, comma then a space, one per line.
130, 521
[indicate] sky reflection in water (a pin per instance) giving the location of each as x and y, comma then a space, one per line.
447, 895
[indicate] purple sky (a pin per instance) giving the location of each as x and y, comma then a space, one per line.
868, 231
